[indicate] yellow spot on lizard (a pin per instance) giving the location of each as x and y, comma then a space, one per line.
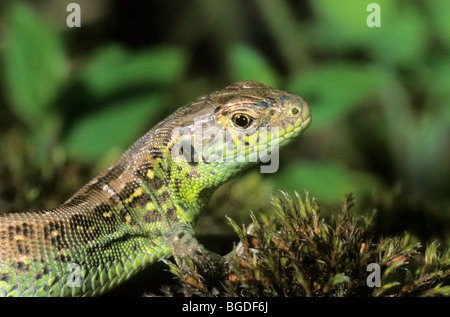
137, 193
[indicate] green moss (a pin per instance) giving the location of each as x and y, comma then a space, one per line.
291, 250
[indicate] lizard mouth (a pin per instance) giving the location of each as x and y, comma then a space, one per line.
300, 125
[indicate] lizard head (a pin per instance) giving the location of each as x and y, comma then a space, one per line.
256, 120
238, 126
225, 132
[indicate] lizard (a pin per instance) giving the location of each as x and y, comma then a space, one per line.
143, 207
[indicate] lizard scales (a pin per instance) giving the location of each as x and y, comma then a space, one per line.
141, 208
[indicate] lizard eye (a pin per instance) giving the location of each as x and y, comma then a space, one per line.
242, 120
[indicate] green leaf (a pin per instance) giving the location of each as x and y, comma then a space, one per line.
439, 20
129, 80
437, 81
346, 19
402, 39
335, 90
113, 69
115, 127
342, 26
249, 64
34, 65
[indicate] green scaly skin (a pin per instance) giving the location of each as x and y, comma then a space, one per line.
141, 209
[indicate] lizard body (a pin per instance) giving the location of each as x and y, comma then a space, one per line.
141, 208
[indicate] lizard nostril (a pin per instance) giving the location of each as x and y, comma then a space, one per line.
294, 110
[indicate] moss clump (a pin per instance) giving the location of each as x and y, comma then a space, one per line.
293, 251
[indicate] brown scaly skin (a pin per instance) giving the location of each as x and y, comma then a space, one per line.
141, 209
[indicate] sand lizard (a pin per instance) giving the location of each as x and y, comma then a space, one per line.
141, 209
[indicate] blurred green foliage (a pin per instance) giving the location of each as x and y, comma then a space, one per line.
39, 89
380, 97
